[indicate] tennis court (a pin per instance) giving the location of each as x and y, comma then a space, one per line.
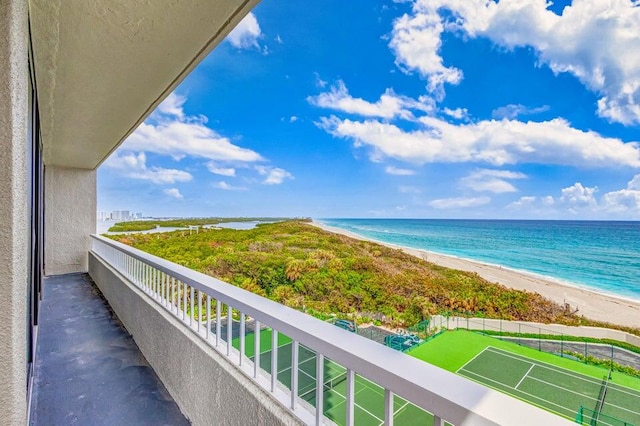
369, 397
555, 388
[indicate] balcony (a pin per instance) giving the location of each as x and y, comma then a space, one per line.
178, 319
88, 368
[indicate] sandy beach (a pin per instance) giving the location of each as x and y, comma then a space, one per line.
593, 305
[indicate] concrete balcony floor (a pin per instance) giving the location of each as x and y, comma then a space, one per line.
88, 369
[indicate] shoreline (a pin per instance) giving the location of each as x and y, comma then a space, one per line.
591, 304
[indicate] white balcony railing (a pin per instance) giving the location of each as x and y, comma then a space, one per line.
191, 297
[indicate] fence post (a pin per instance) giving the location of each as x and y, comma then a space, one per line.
519, 334
539, 339
611, 357
562, 345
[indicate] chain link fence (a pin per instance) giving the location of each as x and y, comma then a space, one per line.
548, 339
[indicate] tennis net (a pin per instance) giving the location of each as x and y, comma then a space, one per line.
328, 385
601, 397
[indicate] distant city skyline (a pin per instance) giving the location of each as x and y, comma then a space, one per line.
121, 215
423, 109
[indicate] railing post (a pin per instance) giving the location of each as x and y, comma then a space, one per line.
218, 325
229, 328
274, 359
192, 313
241, 338
166, 290
438, 421
350, 396
388, 407
199, 310
256, 348
173, 293
295, 346
184, 301
208, 333
319, 388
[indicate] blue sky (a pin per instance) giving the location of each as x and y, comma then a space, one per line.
421, 109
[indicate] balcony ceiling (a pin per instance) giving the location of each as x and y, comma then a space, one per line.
102, 66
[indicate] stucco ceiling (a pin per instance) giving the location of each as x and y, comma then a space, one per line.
102, 66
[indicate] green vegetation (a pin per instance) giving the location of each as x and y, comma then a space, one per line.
142, 225
145, 225
607, 363
323, 273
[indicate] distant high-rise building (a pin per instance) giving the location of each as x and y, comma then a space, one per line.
120, 215
102, 216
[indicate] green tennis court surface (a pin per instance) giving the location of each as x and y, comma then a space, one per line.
369, 397
560, 385
556, 389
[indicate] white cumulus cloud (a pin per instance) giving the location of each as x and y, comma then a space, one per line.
135, 166
594, 40
458, 113
389, 106
487, 180
171, 132
399, 171
512, 111
625, 200
246, 34
634, 183
273, 175
416, 43
495, 142
174, 193
224, 185
523, 202
582, 201
461, 202
223, 171
577, 194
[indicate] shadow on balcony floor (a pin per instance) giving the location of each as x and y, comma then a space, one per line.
89, 371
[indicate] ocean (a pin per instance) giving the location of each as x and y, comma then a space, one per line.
597, 255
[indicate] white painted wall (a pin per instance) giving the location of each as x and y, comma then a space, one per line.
70, 218
14, 228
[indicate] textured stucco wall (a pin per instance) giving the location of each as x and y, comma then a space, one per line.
70, 217
206, 386
14, 234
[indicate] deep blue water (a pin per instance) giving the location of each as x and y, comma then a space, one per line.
604, 256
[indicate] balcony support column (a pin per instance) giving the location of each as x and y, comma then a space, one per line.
70, 217
14, 213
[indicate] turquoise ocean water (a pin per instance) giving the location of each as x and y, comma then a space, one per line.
603, 256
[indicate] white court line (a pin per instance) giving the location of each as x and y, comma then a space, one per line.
543, 364
550, 367
515, 396
269, 350
563, 388
359, 406
476, 356
555, 370
525, 375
